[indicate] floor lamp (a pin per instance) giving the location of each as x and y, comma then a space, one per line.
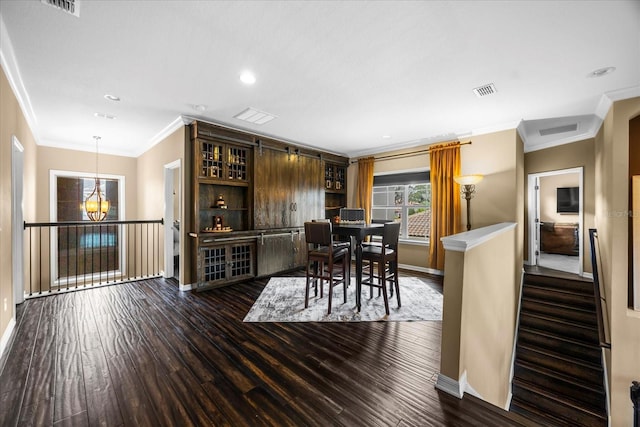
467, 189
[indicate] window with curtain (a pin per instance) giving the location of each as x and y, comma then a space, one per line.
406, 198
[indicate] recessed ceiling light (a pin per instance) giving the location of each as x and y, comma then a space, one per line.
200, 107
112, 97
601, 72
386, 136
247, 77
104, 116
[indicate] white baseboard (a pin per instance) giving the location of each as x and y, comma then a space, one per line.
421, 269
185, 288
449, 386
7, 335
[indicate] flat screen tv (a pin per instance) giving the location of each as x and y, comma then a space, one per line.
568, 200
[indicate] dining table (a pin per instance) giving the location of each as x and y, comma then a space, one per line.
359, 231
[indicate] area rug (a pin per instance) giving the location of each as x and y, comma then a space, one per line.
282, 300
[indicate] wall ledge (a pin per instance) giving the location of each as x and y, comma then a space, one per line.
462, 242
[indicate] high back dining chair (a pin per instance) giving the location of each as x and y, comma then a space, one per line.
323, 254
385, 256
352, 215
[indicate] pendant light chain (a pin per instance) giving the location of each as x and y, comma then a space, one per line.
96, 205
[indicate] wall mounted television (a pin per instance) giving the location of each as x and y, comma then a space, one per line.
568, 200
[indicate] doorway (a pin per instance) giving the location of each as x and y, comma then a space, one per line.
17, 234
556, 220
172, 215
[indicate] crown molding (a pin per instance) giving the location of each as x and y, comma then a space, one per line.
176, 124
12, 71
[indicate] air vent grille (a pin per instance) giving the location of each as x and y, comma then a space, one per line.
72, 7
559, 129
485, 90
254, 116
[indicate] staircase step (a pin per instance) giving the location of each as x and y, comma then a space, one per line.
560, 384
586, 334
560, 343
560, 406
585, 372
578, 300
560, 311
560, 284
534, 413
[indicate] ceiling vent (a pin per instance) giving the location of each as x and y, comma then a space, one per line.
559, 129
254, 116
485, 90
72, 7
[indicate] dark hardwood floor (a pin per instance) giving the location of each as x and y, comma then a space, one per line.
145, 354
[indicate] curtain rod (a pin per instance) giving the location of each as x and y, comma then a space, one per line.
411, 153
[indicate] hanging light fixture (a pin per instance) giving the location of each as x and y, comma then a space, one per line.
96, 205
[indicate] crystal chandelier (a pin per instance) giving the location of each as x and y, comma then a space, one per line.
96, 205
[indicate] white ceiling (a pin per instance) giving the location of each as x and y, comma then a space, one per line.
338, 75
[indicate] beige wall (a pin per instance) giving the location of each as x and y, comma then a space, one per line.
12, 123
479, 316
494, 155
50, 158
567, 156
548, 197
498, 156
611, 220
489, 305
150, 198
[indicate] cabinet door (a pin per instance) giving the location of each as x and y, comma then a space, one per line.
299, 249
308, 203
210, 158
275, 253
212, 262
219, 264
241, 260
273, 185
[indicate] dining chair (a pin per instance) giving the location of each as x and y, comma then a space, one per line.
383, 264
323, 253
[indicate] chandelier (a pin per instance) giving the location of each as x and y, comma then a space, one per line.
96, 205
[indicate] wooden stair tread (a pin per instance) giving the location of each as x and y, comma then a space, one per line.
556, 336
559, 356
569, 323
543, 278
563, 400
532, 412
558, 377
552, 373
557, 304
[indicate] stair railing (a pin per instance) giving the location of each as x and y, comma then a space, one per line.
599, 292
66, 256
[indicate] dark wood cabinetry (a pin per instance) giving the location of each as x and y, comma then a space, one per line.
269, 189
221, 263
280, 251
288, 189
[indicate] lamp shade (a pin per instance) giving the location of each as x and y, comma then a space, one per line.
468, 179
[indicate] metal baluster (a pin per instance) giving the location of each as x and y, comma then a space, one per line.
75, 232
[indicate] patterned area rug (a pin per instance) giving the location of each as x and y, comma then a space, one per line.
282, 300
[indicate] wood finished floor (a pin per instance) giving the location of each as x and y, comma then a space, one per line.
145, 354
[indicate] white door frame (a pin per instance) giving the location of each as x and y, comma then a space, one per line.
168, 217
534, 212
17, 212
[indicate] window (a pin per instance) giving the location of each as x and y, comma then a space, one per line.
81, 250
405, 198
